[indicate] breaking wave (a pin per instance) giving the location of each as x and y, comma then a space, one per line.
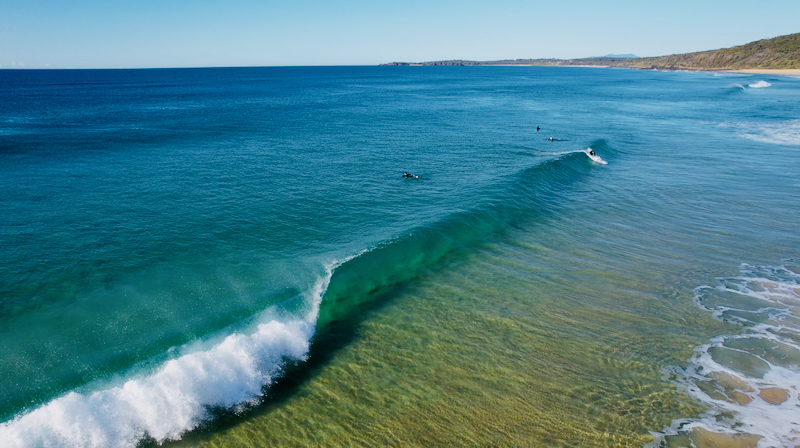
181, 393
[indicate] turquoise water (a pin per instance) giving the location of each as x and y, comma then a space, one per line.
178, 243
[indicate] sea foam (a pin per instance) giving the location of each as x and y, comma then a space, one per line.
178, 395
750, 381
759, 84
781, 133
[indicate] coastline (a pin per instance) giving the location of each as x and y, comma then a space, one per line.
761, 71
765, 71
535, 65
755, 71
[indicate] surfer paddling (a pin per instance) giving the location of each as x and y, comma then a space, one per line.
410, 176
551, 139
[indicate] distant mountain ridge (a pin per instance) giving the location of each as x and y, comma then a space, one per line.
621, 56
782, 52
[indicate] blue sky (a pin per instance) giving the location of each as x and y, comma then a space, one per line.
201, 33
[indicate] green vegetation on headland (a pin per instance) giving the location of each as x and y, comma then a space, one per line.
782, 52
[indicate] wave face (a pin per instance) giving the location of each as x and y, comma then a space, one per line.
410, 256
749, 380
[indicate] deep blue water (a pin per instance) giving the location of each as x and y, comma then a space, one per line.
147, 215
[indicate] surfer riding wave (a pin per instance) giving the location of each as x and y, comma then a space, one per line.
595, 158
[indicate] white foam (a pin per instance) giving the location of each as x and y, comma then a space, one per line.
731, 74
759, 84
780, 133
765, 301
177, 395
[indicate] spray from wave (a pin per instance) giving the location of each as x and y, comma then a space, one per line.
179, 395
750, 381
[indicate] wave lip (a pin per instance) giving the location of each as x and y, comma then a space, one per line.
750, 381
178, 395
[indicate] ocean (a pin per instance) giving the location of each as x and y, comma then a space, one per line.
231, 257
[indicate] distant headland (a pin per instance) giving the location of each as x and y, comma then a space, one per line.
777, 55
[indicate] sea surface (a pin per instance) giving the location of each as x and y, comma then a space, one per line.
231, 257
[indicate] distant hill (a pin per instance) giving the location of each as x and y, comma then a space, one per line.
781, 52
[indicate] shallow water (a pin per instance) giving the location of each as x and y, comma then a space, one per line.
169, 235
